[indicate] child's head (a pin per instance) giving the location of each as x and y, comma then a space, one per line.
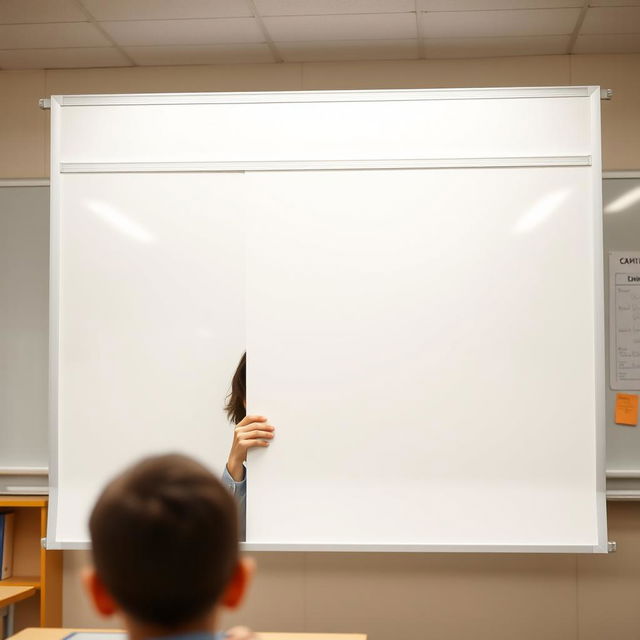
164, 536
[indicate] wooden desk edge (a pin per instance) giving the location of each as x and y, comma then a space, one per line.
39, 633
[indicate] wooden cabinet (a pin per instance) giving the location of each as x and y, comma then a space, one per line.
33, 565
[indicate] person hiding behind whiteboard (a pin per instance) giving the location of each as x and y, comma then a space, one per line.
250, 431
164, 536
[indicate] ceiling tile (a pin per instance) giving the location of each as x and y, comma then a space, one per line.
612, 20
172, 32
30, 11
469, 24
200, 54
326, 7
484, 5
61, 34
614, 3
62, 58
622, 43
387, 26
494, 47
166, 9
336, 50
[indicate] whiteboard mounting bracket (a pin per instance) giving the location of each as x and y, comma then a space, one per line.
43, 543
44, 103
612, 547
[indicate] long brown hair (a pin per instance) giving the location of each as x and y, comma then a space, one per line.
236, 400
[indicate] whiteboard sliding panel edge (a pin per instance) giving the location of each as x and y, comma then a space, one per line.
54, 324
305, 165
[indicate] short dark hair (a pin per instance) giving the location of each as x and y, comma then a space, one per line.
165, 540
236, 400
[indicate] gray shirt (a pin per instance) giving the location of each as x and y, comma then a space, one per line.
239, 490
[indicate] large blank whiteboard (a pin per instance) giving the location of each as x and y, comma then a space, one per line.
423, 308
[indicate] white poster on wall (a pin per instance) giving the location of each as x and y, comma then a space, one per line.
624, 319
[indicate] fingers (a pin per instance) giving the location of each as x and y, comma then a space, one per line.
247, 441
256, 433
251, 435
248, 444
249, 419
254, 426
253, 431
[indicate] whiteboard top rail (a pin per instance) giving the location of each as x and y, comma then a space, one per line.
323, 96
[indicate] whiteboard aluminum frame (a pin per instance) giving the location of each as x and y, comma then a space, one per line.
259, 97
383, 548
599, 315
54, 323
593, 92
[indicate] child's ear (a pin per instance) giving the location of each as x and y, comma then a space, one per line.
98, 594
239, 583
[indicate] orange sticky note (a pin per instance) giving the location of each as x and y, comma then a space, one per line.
627, 409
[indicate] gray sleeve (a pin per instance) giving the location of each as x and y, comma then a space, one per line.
239, 490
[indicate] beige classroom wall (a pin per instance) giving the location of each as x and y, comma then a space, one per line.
402, 596
390, 596
24, 128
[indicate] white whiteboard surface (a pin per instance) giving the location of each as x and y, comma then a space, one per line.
416, 391
151, 326
457, 371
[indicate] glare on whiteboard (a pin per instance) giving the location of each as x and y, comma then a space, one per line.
120, 221
540, 210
